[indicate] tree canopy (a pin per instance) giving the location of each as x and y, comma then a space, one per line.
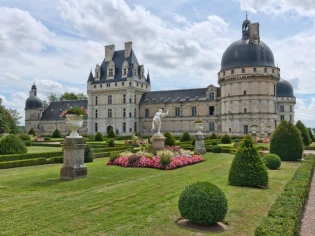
9, 120
53, 97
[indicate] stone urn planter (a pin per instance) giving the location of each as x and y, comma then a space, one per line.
74, 122
199, 127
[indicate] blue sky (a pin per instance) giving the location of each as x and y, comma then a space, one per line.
56, 43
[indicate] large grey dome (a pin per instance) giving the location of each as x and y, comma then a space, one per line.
284, 89
242, 53
33, 103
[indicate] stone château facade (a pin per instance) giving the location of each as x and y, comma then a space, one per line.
250, 93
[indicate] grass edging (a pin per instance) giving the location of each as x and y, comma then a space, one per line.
285, 214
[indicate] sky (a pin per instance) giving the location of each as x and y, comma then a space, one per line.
56, 43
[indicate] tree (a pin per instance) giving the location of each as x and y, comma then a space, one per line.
304, 133
73, 96
9, 121
311, 135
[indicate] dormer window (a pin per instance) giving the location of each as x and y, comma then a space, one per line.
153, 99
162, 99
135, 72
111, 72
125, 71
211, 96
169, 99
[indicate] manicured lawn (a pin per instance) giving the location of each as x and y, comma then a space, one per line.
36, 149
125, 201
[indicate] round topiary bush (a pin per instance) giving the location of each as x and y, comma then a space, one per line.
12, 144
272, 161
170, 139
47, 139
214, 143
304, 133
111, 143
28, 143
216, 149
24, 137
247, 168
88, 154
226, 139
99, 137
286, 142
203, 203
56, 134
111, 134
32, 132
213, 136
185, 137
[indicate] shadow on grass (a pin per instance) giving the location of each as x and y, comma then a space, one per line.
48, 182
218, 227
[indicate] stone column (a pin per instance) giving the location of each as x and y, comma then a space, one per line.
73, 159
158, 141
200, 144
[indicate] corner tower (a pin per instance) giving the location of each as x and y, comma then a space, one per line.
33, 110
248, 79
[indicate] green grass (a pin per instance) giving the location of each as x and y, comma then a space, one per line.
37, 149
125, 201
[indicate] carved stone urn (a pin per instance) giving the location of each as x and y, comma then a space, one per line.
74, 122
199, 127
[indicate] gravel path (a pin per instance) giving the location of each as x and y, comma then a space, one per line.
308, 221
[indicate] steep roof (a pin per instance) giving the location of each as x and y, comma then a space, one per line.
54, 109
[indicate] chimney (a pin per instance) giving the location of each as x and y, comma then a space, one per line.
128, 48
254, 33
109, 52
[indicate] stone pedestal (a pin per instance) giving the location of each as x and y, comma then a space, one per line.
73, 159
200, 144
158, 141
254, 135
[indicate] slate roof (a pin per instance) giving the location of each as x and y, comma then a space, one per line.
54, 109
284, 89
33, 103
174, 95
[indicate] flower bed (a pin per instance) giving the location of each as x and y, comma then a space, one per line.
167, 159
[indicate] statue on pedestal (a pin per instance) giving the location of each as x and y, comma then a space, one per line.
157, 120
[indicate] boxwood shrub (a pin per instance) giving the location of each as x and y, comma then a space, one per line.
226, 139
185, 137
88, 154
24, 137
11, 144
170, 139
203, 203
272, 161
56, 134
98, 137
217, 149
213, 136
32, 132
111, 143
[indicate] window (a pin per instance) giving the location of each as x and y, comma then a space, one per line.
125, 71
245, 110
254, 69
211, 127
124, 126
123, 83
97, 74
142, 74
135, 72
290, 117
244, 92
177, 111
274, 90
291, 108
281, 117
110, 99
146, 112
230, 130
130, 100
273, 71
38, 126
243, 70
110, 114
211, 96
124, 112
135, 98
265, 70
135, 112
101, 85
94, 85
96, 100
211, 110
223, 73
129, 83
129, 114
232, 71
281, 108
116, 84
38, 116
107, 85
245, 129
193, 111
141, 85
95, 127
135, 127
124, 98
146, 86
96, 113
137, 84
130, 130
111, 72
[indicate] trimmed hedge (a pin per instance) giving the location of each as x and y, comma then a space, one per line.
111, 143
15, 157
20, 163
285, 214
217, 149
46, 144
304, 133
213, 136
88, 154
24, 137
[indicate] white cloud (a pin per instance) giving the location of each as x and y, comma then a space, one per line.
305, 113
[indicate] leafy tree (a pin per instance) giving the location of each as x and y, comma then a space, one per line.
81, 96
9, 121
304, 132
311, 135
286, 142
69, 96
247, 168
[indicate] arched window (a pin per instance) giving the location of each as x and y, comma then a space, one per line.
125, 71
111, 72
211, 96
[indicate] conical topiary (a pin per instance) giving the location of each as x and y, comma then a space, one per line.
304, 133
247, 168
32, 132
99, 137
226, 139
170, 139
111, 134
286, 142
185, 137
56, 134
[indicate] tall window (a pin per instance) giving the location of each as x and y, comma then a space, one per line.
95, 127
291, 108
177, 111
232, 71
265, 70
125, 71
244, 92
254, 69
281, 117
146, 112
135, 98
135, 127
243, 70
124, 98
211, 96
124, 112
290, 117
135, 112
211, 110
281, 108
129, 114
245, 129
124, 126
96, 113
111, 72
96, 100
110, 99
193, 111
110, 113
245, 110
130, 100
135, 73
211, 127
